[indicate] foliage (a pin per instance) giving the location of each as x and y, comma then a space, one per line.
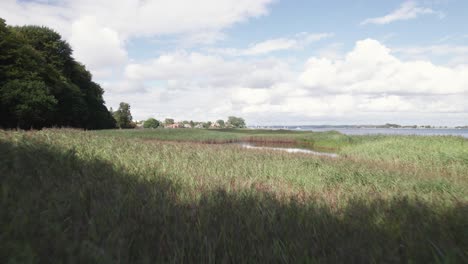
107, 199
236, 122
29, 101
206, 124
151, 123
168, 121
42, 85
123, 117
221, 123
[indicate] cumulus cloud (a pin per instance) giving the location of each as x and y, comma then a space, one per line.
371, 69
367, 83
408, 10
100, 47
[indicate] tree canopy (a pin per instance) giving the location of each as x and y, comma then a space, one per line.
123, 116
220, 123
237, 122
41, 84
151, 123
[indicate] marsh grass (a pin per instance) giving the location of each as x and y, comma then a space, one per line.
329, 141
104, 197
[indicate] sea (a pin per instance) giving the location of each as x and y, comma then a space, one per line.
382, 131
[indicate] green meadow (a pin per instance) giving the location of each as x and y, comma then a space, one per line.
188, 195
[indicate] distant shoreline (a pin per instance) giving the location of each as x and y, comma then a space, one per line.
350, 130
354, 127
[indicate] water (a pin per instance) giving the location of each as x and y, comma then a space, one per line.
289, 150
388, 131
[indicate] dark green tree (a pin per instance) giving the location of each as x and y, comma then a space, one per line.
36, 63
28, 103
123, 117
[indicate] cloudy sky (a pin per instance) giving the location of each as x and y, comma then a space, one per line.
290, 62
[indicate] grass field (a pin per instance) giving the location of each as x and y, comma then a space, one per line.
159, 196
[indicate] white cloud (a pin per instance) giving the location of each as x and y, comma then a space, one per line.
270, 46
408, 10
371, 69
299, 41
200, 70
98, 29
153, 17
367, 83
100, 47
37, 13
435, 50
453, 55
135, 17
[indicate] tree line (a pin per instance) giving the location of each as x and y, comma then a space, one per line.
42, 85
124, 119
232, 122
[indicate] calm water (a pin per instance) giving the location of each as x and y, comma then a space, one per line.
291, 148
288, 149
391, 131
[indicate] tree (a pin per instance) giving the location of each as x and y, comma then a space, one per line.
207, 124
192, 124
220, 123
236, 122
123, 117
27, 103
151, 123
168, 121
52, 88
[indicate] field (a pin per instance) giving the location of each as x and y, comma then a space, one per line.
159, 196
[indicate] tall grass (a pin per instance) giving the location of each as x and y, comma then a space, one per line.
318, 140
87, 197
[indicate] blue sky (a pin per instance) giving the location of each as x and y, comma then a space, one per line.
272, 62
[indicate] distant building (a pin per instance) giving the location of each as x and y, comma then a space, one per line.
175, 125
139, 123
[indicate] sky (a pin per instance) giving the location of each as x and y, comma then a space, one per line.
273, 62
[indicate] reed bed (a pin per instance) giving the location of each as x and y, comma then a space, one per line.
117, 197
320, 140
